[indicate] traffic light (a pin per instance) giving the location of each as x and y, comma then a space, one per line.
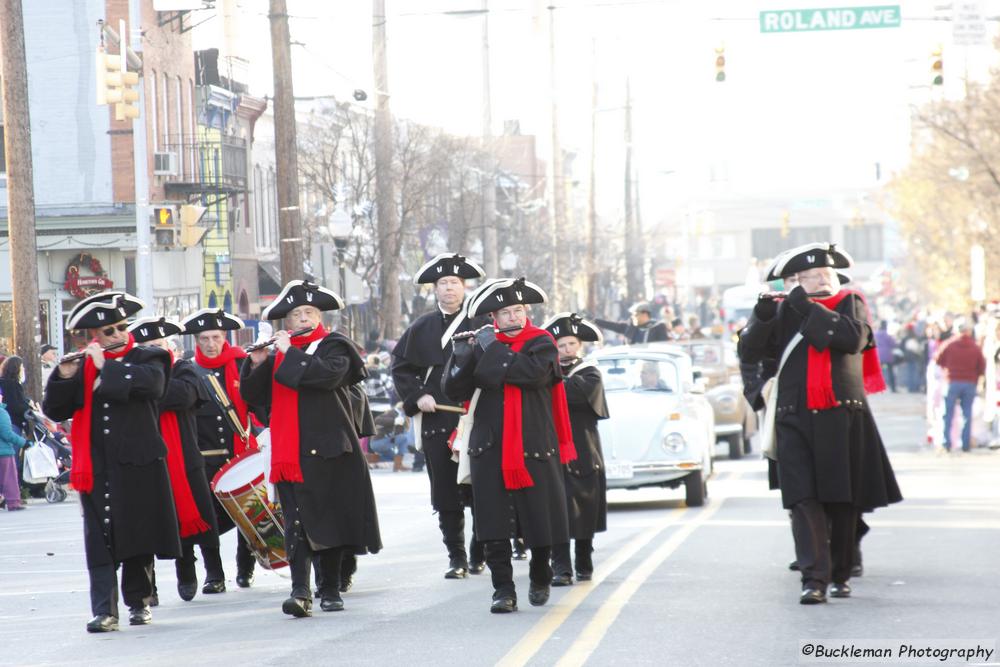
786, 226
114, 84
191, 232
937, 66
720, 64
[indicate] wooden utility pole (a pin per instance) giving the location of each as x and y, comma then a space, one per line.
285, 149
491, 253
633, 265
20, 192
385, 197
557, 188
591, 262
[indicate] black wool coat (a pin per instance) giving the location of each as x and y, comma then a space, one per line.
833, 455
538, 512
130, 511
334, 505
586, 484
419, 349
185, 393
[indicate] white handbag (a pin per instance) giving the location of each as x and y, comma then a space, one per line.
460, 445
39, 463
769, 392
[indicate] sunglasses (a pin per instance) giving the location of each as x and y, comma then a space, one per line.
108, 331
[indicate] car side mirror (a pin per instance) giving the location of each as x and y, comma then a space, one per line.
696, 374
698, 386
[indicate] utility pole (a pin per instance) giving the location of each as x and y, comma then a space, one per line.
385, 198
633, 268
140, 167
591, 262
558, 178
20, 191
491, 253
285, 150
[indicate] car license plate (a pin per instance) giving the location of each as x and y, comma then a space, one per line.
619, 470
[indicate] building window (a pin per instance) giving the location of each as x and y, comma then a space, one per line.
154, 121
166, 109
179, 140
864, 242
768, 242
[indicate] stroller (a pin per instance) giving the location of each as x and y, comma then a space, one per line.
39, 429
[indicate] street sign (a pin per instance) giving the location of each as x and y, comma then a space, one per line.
968, 23
666, 277
832, 18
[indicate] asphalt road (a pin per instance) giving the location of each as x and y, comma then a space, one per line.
674, 586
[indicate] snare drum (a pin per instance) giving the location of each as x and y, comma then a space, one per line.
242, 489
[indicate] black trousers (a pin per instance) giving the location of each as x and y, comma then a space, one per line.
452, 525
348, 566
137, 585
498, 558
562, 564
824, 541
213, 564
300, 565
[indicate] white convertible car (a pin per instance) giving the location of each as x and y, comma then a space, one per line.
661, 431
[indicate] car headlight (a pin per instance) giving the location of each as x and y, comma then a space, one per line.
726, 403
673, 443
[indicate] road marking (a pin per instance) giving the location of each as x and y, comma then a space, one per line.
535, 638
591, 637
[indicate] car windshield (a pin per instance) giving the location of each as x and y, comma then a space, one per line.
637, 374
705, 354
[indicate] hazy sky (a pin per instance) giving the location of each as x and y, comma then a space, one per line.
798, 111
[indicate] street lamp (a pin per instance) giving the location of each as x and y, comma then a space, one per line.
340, 226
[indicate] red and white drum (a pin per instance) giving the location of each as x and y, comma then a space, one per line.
242, 489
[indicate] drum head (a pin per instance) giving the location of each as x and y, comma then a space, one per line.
241, 472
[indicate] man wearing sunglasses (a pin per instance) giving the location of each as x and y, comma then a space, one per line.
119, 467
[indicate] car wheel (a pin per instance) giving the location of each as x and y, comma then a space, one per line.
695, 489
735, 445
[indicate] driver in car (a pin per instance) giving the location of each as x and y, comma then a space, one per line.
649, 376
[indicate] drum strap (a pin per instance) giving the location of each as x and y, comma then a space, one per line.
214, 452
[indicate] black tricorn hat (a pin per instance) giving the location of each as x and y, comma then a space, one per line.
810, 256
505, 292
772, 275
448, 264
210, 319
301, 293
103, 309
154, 328
571, 324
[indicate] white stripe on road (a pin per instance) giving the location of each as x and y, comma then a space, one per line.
591, 637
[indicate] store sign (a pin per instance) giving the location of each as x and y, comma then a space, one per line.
85, 276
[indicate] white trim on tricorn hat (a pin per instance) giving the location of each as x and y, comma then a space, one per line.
571, 324
211, 319
447, 264
505, 292
811, 256
301, 293
153, 328
103, 309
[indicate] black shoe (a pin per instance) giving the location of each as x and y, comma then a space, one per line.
154, 600
140, 616
504, 605
187, 589
794, 566
840, 590
584, 576
477, 568
102, 623
811, 595
538, 595
332, 604
212, 587
520, 555
297, 607
244, 579
346, 582
857, 570
458, 568
562, 580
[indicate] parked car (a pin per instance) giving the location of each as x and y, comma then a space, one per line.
716, 364
661, 430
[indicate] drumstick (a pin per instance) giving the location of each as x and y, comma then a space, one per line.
450, 408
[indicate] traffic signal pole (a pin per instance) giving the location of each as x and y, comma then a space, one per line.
20, 192
143, 244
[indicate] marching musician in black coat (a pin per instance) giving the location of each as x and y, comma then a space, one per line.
224, 428
586, 485
831, 463
193, 498
418, 361
307, 388
520, 439
118, 456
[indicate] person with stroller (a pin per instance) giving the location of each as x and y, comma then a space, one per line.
119, 466
12, 389
10, 443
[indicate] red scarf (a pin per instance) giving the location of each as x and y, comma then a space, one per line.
285, 466
819, 371
227, 357
515, 473
81, 476
188, 518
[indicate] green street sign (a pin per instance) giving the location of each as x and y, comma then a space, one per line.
834, 18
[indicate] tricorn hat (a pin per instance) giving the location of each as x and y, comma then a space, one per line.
210, 319
779, 260
103, 309
505, 292
571, 324
301, 293
153, 328
810, 256
448, 264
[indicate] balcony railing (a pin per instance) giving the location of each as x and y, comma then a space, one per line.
202, 164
